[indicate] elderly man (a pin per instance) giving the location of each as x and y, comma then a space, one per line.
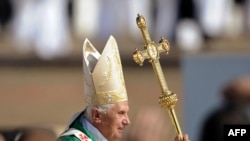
106, 114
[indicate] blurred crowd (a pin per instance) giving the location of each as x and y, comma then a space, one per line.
47, 27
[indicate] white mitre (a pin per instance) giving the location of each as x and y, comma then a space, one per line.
103, 76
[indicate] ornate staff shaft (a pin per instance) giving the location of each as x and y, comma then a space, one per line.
152, 53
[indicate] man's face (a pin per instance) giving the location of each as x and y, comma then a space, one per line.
114, 121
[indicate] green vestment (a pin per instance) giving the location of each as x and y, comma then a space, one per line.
77, 125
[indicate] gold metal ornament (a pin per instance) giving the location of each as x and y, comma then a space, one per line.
152, 52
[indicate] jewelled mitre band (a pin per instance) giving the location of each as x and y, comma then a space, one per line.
103, 76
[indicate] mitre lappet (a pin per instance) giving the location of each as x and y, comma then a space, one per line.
103, 76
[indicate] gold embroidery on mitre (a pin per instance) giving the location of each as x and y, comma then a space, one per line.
111, 97
106, 75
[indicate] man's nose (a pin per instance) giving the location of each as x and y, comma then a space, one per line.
126, 121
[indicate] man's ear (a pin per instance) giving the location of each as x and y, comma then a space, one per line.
96, 116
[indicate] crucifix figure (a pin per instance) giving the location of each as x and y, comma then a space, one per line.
152, 53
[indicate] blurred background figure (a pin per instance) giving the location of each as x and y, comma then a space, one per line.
41, 26
9, 134
150, 124
223, 18
165, 16
138, 7
188, 34
176, 20
2, 137
28, 134
247, 11
212, 15
113, 18
234, 110
36, 134
5, 13
85, 18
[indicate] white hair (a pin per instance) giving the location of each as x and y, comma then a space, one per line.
101, 108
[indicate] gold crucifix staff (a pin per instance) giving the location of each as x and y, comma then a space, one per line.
152, 53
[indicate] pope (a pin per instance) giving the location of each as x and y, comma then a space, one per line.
106, 114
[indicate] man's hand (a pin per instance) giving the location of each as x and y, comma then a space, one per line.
179, 138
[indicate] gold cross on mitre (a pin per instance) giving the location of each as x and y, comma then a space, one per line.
152, 53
